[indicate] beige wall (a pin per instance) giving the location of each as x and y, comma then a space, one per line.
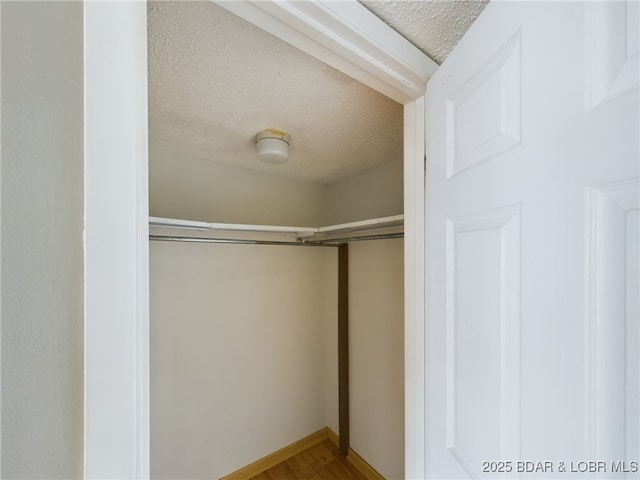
376, 317
188, 187
41, 243
376, 354
331, 341
239, 344
244, 353
191, 188
377, 192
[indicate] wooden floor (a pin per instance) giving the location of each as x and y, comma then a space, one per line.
322, 461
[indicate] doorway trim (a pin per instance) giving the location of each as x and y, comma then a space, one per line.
344, 35
116, 241
415, 430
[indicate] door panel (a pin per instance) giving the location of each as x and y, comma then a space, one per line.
483, 348
612, 332
611, 38
494, 90
532, 234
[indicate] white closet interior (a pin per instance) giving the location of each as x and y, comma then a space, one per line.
244, 323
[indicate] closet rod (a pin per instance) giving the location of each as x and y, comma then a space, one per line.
334, 242
170, 238
339, 240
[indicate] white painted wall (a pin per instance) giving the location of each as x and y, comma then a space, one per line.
239, 350
376, 354
188, 187
42, 253
376, 192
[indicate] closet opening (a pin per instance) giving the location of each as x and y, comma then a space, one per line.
250, 347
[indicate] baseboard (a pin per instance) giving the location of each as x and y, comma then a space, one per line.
333, 437
273, 459
367, 470
356, 460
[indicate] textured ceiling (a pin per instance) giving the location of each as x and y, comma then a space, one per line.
216, 80
434, 26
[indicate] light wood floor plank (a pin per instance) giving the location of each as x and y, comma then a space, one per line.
282, 472
316, 457
322, 461
303, 470
321, 453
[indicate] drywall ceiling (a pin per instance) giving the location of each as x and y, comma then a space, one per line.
215, 81
434, 26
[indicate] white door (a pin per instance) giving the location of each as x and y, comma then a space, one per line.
532, 245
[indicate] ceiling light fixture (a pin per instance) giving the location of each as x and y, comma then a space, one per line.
273, 146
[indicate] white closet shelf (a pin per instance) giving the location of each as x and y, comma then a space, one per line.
300, 232
229, 227
394, 220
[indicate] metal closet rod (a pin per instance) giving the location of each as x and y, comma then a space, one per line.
334, 242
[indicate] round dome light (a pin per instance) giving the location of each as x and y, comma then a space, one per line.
273, 146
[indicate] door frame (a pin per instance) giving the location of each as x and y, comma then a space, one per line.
344, 35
